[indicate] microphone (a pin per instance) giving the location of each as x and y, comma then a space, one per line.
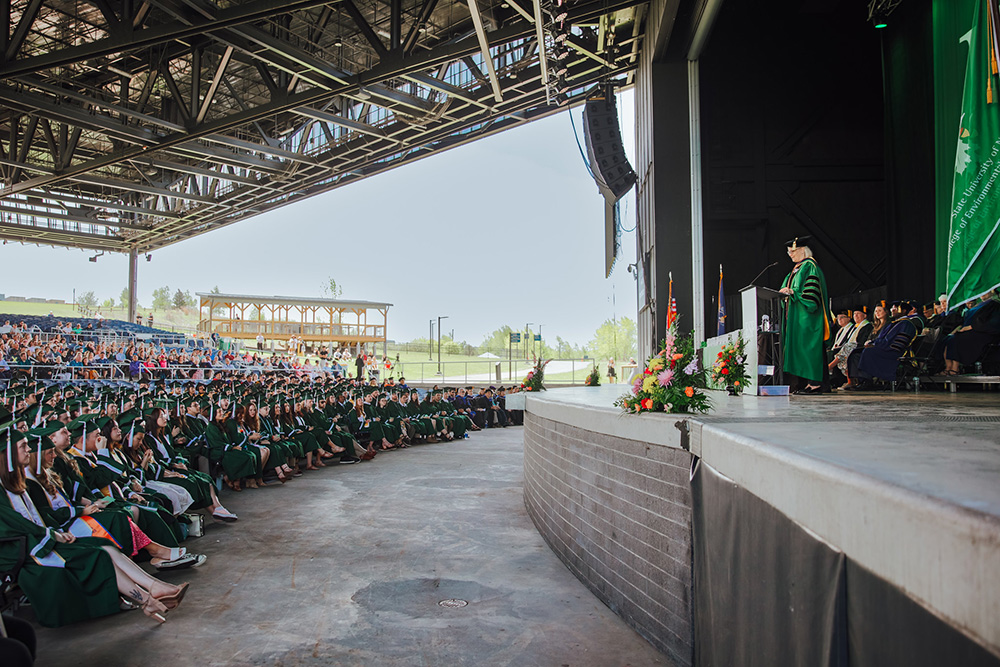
760, 274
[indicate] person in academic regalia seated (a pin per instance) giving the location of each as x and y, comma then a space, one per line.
980, 327
226, 440
806, 319
881, 358
47, 493
66, 578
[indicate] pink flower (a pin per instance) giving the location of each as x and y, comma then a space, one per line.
636, 385
665, 377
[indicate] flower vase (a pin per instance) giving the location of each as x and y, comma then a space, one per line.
733, 391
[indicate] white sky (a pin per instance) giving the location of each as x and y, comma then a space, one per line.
505, 230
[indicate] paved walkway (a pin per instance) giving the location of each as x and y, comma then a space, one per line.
347, 565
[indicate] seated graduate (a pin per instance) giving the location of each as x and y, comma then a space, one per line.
47, 493
66, 578
172, 465
226, 440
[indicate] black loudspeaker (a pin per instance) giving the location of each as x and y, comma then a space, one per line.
610, 167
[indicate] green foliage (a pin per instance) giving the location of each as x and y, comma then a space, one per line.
182, 299
108, 303
123, 298
613, 340
330, 289
87, 300
161, 298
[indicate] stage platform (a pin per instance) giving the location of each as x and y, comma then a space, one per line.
904, 487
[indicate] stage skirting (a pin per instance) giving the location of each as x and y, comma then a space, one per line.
722, 550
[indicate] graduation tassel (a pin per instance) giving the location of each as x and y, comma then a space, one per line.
10, 446
38, 466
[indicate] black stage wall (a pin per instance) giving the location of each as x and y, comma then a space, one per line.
812, 122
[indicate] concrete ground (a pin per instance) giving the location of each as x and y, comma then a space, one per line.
347, 566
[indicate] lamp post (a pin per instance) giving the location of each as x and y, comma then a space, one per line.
440, 317
539, 341
430, 342
527, 333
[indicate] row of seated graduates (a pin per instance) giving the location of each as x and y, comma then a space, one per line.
131, 442
487, 408
924, 340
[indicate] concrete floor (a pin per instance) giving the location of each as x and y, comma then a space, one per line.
347, 565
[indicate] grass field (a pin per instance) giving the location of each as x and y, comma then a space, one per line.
161, 318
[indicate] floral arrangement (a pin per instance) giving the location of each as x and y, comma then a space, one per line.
672, 380
533, 380
594, 379
730, 368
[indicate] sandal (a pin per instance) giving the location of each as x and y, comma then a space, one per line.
173, 601
155, 609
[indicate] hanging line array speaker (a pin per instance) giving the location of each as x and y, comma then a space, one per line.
610, 167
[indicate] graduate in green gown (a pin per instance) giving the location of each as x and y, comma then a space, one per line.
66, 578
226, 441
807, 319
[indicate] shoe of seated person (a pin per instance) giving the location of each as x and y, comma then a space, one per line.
346, 460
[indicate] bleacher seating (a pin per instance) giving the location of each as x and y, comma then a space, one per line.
45, 323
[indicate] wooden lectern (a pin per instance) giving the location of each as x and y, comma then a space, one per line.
762, 333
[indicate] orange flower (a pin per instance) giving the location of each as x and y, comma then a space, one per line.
647, 403
689, 391
678, 356
527, 388
737, 383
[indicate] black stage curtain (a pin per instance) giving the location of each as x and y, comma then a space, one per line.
889, 629
766, 592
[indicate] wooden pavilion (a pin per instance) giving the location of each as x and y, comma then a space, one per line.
344, 323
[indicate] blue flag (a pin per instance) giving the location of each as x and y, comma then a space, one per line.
722, 307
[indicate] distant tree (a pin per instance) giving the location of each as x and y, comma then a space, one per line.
108, 303
161, 298
182, 299
497, 340
217, 311
615, 341
87, 300
330, 289
123, 298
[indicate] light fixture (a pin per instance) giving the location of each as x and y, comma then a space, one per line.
363, 94
94, 258
149, 257
338, 42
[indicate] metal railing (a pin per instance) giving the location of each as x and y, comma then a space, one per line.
479, 371
123, 371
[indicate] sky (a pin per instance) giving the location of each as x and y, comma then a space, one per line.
504, 230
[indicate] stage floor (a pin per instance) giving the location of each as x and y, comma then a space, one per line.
942, 445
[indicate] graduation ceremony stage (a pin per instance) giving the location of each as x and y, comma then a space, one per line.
839, 529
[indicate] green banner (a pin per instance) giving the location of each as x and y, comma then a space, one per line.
973, 258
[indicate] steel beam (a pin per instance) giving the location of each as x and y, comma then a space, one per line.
484, 45
161, 34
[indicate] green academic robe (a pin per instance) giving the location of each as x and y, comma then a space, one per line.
806, 321
78, 582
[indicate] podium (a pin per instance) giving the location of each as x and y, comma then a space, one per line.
762, 333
